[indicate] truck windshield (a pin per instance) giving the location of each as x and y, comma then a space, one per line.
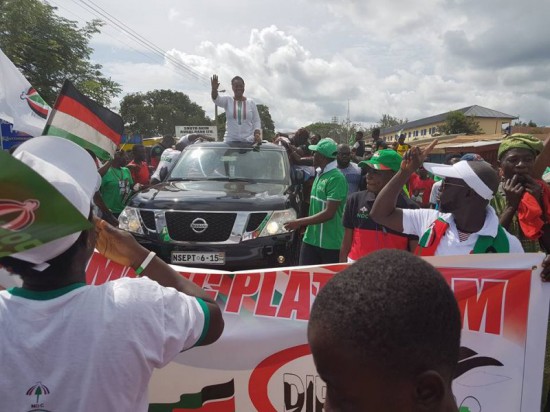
220, 163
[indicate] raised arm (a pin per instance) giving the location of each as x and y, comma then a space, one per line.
121, 247
384, 210
215, 85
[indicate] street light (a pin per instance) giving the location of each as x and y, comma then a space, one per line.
216, 116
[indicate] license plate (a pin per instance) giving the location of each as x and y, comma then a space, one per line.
205, 258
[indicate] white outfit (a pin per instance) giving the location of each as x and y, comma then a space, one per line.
94, 347
242, 118
168, 160
417, 221
353, 175
185, 141
435, 192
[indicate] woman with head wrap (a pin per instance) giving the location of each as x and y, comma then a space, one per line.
523, 205
523, 200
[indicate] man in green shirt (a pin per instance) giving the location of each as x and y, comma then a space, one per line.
117, 184
323, 237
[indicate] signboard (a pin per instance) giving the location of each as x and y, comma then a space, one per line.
262, 361
210, 131
10, 137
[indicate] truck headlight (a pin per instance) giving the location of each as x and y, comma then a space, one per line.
275, 224
129, 220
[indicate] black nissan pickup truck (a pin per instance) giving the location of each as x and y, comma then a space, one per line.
223, 205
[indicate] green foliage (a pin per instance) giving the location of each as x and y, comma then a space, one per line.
530, 124
457, 122
49, 49
389, 121
341, 132
158, 112
268, 127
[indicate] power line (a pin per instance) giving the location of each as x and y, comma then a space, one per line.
107, 33
141, 40
183, 68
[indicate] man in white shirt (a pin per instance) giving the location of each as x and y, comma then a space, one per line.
242, 118
350, 170
464, 224
69, 346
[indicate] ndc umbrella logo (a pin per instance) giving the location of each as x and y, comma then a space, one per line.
35, 102
38, 390
24, 213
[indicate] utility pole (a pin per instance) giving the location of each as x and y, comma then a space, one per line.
348, 122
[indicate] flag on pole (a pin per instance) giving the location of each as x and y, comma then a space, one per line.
20, 104
78, 118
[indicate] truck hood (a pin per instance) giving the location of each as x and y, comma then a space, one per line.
213, 195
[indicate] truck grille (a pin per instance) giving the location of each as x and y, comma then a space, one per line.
219, 226
254, 221
148, 218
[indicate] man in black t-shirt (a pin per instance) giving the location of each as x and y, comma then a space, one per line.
377, 142
363, 235
358, 149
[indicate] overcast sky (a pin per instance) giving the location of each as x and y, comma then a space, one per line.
306, 59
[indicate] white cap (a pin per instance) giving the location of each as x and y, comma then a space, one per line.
462, 170
72, 171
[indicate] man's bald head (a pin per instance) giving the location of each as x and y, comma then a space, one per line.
486, 173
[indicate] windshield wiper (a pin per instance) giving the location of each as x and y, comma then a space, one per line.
229, 179
184, 179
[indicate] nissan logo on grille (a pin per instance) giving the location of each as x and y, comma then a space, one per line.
199, 225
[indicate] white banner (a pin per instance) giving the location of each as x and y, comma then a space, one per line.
262, 361
20, 104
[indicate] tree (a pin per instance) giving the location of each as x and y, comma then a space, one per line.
530, 124
158, 112
389, 121
268, 127
341, 132
458, 122
49, 49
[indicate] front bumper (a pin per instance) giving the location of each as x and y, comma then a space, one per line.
263, 252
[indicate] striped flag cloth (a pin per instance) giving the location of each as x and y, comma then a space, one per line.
213, 398
78, 118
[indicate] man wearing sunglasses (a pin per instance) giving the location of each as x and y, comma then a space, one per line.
464, 224
362, 234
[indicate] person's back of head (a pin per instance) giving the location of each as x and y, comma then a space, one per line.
452, 158
168, 140
75, 176
385, 335
376, 133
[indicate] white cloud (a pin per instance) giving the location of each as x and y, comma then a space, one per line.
306, 59
173, 14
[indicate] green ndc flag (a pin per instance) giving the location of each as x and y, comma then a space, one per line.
32, 211
214, 398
